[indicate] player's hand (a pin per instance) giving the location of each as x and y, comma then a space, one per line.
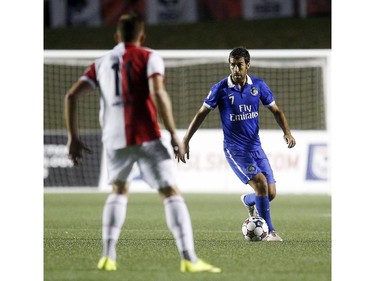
176, 144
183, 151
75, 148
290, 141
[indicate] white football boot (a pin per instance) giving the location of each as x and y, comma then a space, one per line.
273, 236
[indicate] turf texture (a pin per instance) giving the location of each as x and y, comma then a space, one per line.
147, 251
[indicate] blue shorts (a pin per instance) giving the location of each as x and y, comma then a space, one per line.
247, 164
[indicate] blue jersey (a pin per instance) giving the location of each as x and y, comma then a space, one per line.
239, 111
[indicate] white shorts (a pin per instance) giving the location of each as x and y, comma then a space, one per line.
154, 161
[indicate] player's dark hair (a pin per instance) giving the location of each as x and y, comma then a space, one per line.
240, 52
130, 26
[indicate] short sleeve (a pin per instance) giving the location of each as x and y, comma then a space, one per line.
266, 95
90, 75
155, 65
212, 98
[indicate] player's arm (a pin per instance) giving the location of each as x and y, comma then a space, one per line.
193, 127
163, 103
283, 123
75, 145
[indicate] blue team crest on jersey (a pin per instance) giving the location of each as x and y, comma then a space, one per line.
251, 169
254, 91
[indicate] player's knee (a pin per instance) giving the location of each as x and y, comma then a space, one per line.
120, 187
261, 190
168, 191
271, 191
259, 183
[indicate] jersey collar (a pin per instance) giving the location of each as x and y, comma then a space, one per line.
231, 84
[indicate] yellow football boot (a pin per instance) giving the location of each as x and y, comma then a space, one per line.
199, 266
105, 263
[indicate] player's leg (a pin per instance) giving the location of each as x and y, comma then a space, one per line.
259, 184
179, 223
249, 167
244, 166
114, 214
262, 201
265, 167
248, 200
273, 235
119, 164
158, 170
271, 191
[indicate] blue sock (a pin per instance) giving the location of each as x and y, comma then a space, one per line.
263, 206
250, 199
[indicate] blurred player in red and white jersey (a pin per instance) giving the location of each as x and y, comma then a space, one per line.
131, 81
128, 114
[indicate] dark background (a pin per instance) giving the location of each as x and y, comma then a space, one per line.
286, 33
220, 24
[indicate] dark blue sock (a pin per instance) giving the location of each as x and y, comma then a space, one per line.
263, 206
250, 199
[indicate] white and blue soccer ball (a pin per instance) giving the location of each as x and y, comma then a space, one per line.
255, 229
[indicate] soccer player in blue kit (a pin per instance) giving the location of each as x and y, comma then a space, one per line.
238, 97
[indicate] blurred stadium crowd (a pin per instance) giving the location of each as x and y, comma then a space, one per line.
65, 13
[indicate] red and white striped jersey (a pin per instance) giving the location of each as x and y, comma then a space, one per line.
128, 116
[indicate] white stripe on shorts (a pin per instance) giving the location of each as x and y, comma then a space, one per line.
235, 163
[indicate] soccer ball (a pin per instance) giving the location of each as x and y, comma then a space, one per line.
254, 229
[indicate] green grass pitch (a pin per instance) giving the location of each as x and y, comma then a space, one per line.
147, 251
